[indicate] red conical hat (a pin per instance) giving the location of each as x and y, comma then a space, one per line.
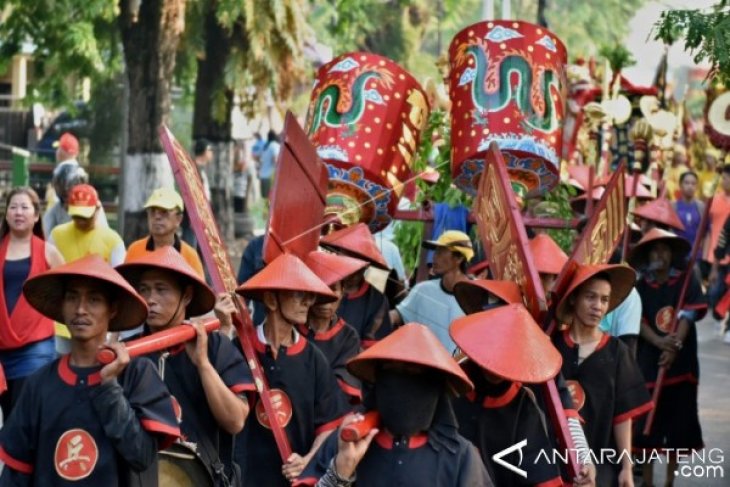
622, 278
507, 342
358, 241
472, 295
332, 268
547, 255
168, 259
45, 291
413, 344
285, 273
640, 253
660, 211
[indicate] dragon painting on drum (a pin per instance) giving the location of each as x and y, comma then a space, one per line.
365, 118
508, 85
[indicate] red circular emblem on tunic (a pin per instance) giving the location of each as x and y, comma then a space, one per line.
282, 405
577, 393
76, 455
663, 318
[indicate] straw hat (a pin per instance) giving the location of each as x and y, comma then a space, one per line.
472, 295
640, 253
168, 259
507, 342
358, 241
412, 344
45, 291
286, 273
622, 279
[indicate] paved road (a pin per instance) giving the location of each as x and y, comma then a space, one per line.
714, 402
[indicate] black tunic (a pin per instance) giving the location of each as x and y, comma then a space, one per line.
312, 404
607, 389
366, 310
678, 398
500, 418
339, 344
58, 433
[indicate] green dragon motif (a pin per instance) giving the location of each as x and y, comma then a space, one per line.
492, 102
332, 94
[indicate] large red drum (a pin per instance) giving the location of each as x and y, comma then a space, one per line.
365, 118
507, 85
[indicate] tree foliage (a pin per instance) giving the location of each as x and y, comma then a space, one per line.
706, 34
69, 40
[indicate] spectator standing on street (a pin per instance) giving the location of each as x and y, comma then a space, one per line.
688, 207
268, 162
719, 212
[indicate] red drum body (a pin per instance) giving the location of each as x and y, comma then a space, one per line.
507, 85
365, 118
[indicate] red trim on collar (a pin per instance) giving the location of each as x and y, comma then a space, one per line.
504, 399
69, 376
297, 347
322, 336
360, 292
293, 349
601, 343
385, 440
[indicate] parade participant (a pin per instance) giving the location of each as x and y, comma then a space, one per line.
210, 367
76, 420
506, 348
688, 207
417, 442
658, 214
26, 336
304, 389
719, 213
604, 380
672, 174
549, 259
363, 307
67, 174
707, 172
432, 302
337, 340
83, 236
482, 294
659, 255
164, 216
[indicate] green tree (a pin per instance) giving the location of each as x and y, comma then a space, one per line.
706, 34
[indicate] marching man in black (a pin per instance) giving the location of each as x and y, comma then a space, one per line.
77, 422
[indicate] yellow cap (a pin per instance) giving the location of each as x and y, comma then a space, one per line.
453, 240
165, 198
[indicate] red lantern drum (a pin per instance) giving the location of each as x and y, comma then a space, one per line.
365, 118
507, 84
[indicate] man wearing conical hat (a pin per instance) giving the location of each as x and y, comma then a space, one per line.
309, 403
505, 349
363, 307
417, 442
661, 259
548, 258
76, 420
432, 302
336, 339
604, 379
208, 376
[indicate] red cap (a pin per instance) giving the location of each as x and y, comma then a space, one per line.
45, 291
507, 342
358, 241
474, 294
640, 253
412, 344
622, 278
168, 259
286, 273
83, 200
547, 255
660, 211
68, 143
332, 268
